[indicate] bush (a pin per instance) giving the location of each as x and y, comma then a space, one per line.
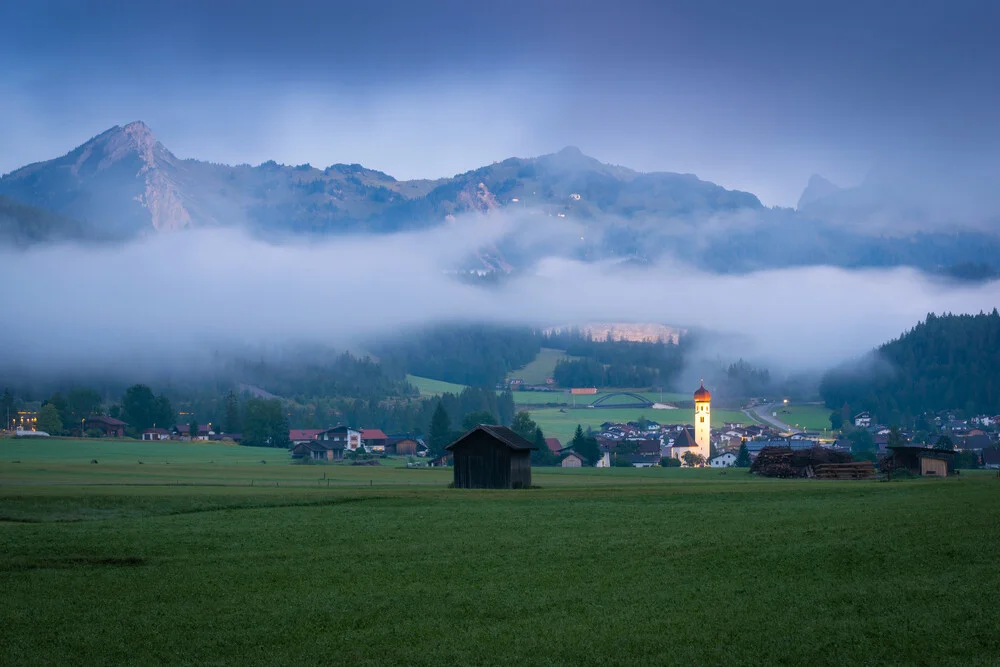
668, 462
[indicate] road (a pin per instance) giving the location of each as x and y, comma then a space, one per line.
763, 413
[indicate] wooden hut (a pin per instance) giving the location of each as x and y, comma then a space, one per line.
923, 460
491, 457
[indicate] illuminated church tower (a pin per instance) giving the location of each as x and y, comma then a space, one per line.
703, 420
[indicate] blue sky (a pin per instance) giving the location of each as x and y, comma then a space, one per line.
752, 95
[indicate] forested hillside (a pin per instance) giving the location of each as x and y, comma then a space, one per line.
946, 362
471, 354
615, 363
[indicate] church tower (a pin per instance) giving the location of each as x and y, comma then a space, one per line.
703, 420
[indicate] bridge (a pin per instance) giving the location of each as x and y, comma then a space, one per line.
637, 401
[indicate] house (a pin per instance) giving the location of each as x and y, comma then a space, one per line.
921, 460
404, 445
991, 458
643, 460
374, 439
572, 460
682, 443
316, 450
156, 434
183, 432
724, 460
299, 435
491, 457
863, 419
973, 443
348, 437
441, 461
604, 462
649, 447
108, 426
554, 445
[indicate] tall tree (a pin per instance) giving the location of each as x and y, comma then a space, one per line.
439, 433
743, 458
541, 456
265, 424
58, 401
505, 406
49, 420
944, 442
473, 419
82, 403
138, 407
7, 411
193, 429
233, 423
524, 426
586, 446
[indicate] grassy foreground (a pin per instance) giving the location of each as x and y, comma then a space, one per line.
103, 564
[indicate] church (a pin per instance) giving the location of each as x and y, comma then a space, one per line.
699, 442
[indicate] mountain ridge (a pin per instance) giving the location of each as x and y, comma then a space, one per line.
126, 166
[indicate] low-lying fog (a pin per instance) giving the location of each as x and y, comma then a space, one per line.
173, 298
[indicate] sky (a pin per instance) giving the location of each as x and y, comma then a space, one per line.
752, 95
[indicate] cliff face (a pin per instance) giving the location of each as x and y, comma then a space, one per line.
123, 180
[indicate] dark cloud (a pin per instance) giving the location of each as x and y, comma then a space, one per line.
754, 95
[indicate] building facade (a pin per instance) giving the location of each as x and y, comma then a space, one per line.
703, 421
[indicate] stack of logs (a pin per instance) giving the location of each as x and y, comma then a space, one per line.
858, 470
786, 462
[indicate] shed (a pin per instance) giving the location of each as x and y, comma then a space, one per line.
572, 460
923, 460
492, 457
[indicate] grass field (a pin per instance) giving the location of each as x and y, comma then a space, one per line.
656, 566
561, 423
541, 367
429, 387
809, 417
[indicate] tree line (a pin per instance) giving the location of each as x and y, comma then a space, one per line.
947, 362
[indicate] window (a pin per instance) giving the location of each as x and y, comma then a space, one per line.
702, 420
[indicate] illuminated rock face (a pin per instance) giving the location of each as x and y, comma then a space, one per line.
703, 420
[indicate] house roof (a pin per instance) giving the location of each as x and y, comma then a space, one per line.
685, 439
158, 431
304, 433
500, 433
373, 434
991, 456
553, 444
573, 454
974, 442
110, 421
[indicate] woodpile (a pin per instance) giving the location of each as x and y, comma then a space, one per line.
786, 462
858, 470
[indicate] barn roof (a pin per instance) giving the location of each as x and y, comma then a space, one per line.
500, 433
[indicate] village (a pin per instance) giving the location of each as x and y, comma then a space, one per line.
974, 442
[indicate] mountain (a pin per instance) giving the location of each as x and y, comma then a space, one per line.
817, 189
126, 182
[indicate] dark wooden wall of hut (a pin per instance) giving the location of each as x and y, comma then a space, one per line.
482, 462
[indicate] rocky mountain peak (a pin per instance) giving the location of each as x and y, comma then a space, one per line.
817, 188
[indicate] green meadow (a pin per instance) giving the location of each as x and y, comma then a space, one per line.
122, 563
809, 417
429, 387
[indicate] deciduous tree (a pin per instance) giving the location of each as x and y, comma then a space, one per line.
49, 420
